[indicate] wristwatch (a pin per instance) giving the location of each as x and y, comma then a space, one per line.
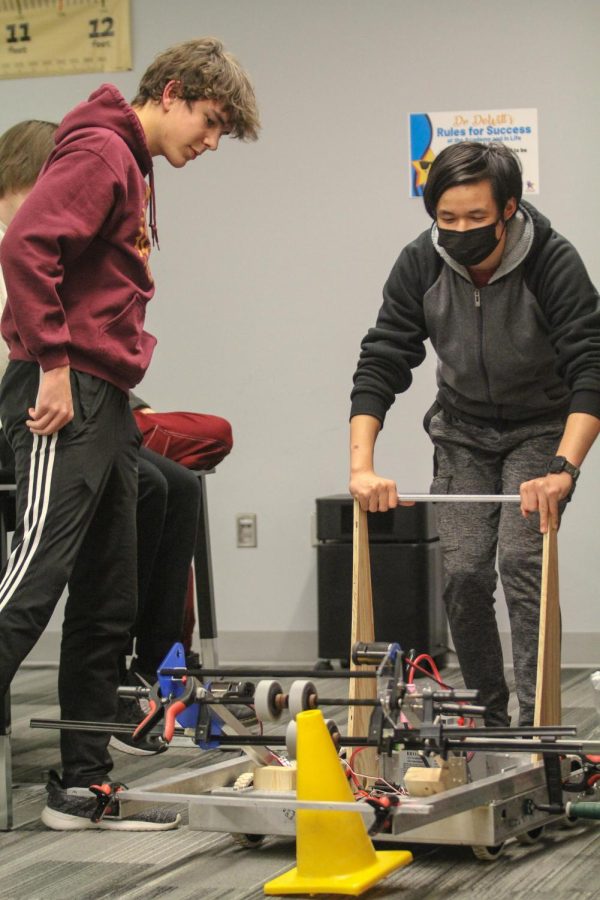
562, 464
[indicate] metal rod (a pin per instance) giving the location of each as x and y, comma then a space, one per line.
344, 701
526, 745
546, 731
461, 498
234, 672
279, 740
102, 727
469, 742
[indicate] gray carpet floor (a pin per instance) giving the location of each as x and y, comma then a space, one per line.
37, 864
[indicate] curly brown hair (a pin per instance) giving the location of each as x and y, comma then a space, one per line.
205, 71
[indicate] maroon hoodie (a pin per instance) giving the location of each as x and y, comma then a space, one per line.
75, 256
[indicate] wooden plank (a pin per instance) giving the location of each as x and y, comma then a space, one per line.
362, 629
547, 696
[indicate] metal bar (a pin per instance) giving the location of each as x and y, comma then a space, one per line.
244, 739
234, 672
416, 809
461, 498
520, 746
102, 727
542, 730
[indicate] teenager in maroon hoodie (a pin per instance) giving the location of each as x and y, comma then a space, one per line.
75, 263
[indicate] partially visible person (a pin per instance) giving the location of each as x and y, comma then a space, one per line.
173, 443
76, 266
197, 441
24, 149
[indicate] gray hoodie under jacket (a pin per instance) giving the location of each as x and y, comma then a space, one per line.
523, 348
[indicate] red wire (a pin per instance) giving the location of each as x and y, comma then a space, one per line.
434, 674
353, 756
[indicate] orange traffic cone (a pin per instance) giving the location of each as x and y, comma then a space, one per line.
334, 854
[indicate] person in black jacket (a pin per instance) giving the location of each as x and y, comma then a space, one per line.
514, 320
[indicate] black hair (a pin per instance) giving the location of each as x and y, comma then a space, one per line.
469, 162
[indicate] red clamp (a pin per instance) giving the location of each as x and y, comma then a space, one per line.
107, 799
169, 708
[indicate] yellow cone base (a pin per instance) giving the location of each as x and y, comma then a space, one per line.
355, 883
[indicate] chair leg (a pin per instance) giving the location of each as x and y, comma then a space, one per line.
6, 799
204, 586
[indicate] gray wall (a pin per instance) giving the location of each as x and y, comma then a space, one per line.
273, 256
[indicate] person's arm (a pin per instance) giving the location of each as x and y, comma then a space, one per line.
559, 281
545, 493
389, 352
54, 225
375, 494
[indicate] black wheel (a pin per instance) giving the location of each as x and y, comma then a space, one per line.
488, 854
531, 837
323, 665
248, 840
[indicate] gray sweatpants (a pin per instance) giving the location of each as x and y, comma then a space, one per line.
472, 459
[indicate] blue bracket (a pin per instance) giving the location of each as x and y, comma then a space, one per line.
172, 686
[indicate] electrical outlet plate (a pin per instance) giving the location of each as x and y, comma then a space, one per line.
246, 530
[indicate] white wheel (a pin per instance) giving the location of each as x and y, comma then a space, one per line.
291, 739
488, 854
301, 697
531, 837
265, 704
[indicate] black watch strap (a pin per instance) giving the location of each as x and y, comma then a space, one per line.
561, 464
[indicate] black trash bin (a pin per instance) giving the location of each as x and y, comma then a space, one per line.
406, 577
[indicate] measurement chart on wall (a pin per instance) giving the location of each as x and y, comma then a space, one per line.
64, 37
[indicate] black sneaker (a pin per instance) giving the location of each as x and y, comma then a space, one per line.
65, 811
192, 660
129, 713
245, 713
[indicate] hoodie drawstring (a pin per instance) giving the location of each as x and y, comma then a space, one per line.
152, 222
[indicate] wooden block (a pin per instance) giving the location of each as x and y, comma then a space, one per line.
547, 696
275, 778
420, 782
362, 629
449, 773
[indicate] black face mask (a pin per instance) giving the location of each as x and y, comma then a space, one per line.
471, 247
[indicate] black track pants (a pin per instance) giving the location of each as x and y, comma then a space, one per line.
470, 459
167, 515
76, 526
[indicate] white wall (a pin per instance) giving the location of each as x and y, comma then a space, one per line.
273, 255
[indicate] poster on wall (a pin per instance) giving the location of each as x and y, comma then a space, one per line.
431, 132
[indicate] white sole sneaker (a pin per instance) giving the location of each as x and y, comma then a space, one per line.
72, 810
59, 821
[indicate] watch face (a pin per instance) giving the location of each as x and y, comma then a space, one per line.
557, 465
